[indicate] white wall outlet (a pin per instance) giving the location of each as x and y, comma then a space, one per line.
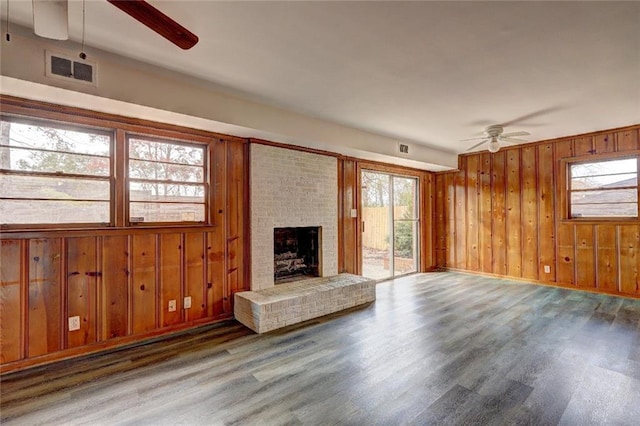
354, 212
547, 269
187, 302
74, 323
172, 305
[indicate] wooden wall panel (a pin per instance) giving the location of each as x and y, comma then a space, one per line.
441, 245
143, 283
529, 213
473, 243
565, 256
82, 289
585, 256
546, 214
629, 258
485, 222
450, 224
498, 214
525, 230
45, 296
194, 275
349, 224
627, 140
513, 219
235, 217
216, 287
607, 258
460, 216
11, 314
115, 286
170, 263
604, 143
583, 146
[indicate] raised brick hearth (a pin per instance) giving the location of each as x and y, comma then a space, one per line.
291, 303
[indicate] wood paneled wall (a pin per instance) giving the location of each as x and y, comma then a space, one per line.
120, 281
501, 214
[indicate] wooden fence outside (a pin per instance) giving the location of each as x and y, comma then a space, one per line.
376, 225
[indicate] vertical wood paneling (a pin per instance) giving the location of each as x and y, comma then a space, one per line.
604, 143
485, 225
546, 213
498, 216
629, 259
583, 146
565, 258
194, 284
461, 215
513, 219
440, 222
529, 213
115, 286
349, 225
45, 296
235, 217
627, 140
473, 256
170, 278
585, 256
607, 276
216, 288
82, 277
450, 225
10, 301
143, 282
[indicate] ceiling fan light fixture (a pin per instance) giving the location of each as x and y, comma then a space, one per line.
494, 146
51, 19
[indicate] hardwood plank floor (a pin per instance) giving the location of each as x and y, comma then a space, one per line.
438, 348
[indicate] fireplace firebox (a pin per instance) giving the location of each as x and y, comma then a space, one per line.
296, 253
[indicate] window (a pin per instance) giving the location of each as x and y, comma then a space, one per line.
166, 181
604, 189
50, 174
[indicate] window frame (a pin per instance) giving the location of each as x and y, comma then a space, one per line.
110, 177
205, 182
35, 112
566, 191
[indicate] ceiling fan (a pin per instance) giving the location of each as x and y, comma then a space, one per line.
50, 20
494, 135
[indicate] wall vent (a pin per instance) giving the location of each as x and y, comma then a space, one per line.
65, 67
403, 148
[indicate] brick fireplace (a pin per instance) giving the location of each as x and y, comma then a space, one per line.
291, 189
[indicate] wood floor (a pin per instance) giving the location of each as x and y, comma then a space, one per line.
439, 348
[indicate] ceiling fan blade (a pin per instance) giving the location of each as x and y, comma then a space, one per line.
473, 139
512, 140
538, 113
508, 135
477, 145
51, 19
148, 15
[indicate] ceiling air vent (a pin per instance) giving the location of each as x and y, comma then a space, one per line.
403, 148
65, 67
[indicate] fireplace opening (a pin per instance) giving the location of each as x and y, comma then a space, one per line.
296, 253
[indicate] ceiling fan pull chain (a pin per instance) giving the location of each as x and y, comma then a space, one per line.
82, 54
8, 36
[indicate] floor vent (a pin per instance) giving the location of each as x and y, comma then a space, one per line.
65, 67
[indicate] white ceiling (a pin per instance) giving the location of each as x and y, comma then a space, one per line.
428, 72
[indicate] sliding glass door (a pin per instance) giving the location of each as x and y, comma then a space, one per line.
390, 225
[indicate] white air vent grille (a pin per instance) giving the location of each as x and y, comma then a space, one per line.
403, 148
65, 67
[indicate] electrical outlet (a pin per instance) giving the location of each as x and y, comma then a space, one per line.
187, 302
74, 323
172, 305
547, 269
